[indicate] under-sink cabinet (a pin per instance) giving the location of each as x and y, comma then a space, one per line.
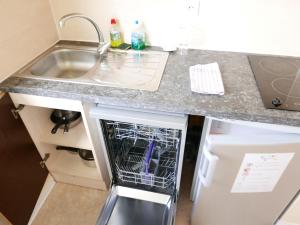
63, 165
138, 154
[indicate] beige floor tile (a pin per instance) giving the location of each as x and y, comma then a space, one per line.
3, 219
184, 206
74, 205
71, 205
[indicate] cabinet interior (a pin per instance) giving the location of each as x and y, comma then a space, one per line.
63, 165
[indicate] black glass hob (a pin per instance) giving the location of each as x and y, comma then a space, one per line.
278, 80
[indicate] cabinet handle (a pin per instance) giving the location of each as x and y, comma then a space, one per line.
207, 167
16, 111
43, 162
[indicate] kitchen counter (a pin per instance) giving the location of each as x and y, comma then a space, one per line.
241, 101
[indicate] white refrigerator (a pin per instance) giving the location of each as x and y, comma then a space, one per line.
244, 175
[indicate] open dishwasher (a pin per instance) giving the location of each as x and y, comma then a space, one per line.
144, 154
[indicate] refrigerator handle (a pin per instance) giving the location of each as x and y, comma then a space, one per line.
207, 167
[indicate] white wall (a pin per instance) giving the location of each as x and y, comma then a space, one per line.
27, 29
262, 26
259, 26
154, 13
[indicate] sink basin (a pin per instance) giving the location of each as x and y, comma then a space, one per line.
141, 70
65, 63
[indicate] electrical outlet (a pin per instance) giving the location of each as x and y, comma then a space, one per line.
192, 7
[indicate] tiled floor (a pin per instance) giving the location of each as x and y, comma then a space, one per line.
74, 205
71, 205
184, 206
3, 219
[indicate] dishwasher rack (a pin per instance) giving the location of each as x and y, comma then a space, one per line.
128, 146
167, 137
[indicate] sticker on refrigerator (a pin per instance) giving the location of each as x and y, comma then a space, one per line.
260, 172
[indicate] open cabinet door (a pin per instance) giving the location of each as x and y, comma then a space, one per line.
21, 175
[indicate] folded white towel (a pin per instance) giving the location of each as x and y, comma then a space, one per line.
206, 79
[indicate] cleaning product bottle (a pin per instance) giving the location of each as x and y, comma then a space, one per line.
115, 34
138, 36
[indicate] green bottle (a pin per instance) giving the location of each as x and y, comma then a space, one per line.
138, 36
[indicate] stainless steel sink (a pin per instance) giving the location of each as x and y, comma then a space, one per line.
65, 63
81, 64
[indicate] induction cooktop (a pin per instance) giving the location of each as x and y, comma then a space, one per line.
278, 80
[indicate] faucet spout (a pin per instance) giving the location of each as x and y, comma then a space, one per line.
102, 46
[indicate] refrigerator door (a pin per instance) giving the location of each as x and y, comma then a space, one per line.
127, 206
291, 214
215, 203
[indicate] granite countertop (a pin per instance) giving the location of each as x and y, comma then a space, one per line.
241, 101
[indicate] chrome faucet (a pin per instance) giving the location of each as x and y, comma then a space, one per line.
102, 46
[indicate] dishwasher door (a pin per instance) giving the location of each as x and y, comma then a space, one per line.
129, 206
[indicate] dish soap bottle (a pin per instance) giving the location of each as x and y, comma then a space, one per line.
115, 34
138, 36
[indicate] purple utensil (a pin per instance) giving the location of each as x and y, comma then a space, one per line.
148, 156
